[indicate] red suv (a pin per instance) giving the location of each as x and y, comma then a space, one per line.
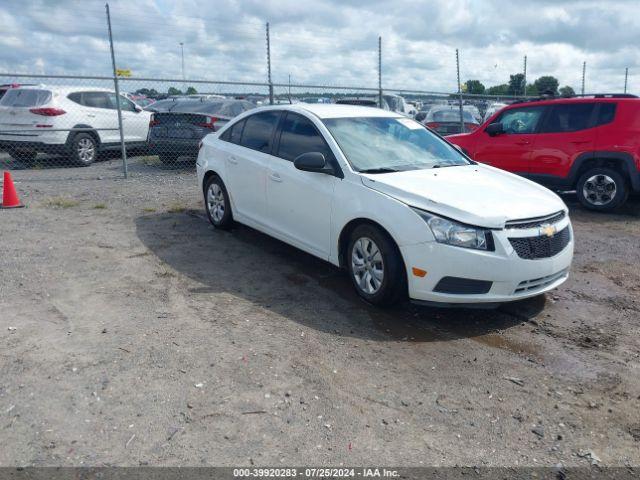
589, 144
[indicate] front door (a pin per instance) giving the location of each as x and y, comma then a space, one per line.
512, 149
299, 203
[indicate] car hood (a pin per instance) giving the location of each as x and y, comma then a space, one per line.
475, 194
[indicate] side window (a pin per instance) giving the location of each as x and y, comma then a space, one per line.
75, 97
606, 114
234, 133
299, 136
568, 118
125, 104
95, 100
520, 120
258, 131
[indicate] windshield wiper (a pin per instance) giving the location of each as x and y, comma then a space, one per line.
444, 165
379, 170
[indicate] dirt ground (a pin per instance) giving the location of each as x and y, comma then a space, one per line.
132, 333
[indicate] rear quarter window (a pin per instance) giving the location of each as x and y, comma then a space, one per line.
26, 97
606, 113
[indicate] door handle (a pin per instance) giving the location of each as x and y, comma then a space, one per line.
275, 177
580, 142
523, 142
233, 160
91, 115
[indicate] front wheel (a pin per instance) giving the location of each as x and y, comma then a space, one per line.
375, 266
217, 204
602, 189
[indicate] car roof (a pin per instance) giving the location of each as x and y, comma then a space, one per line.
64, 88
577, 99
332, 110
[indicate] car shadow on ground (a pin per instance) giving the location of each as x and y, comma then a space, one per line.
248, 264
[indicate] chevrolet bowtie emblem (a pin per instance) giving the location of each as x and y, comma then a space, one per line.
548, 230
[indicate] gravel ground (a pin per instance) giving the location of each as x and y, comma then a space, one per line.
132, 333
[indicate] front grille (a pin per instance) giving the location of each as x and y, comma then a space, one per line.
531, 248
539, 283
535, 222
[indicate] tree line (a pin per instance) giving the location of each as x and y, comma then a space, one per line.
547, 84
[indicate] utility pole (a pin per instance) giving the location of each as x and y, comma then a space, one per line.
584, 71
123, 148
459, 91
269, 67
380, 71
525, 76
183, 77
626, 77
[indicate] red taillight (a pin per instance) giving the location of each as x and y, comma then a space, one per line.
470, 127
210, 123
47, 111
432, 125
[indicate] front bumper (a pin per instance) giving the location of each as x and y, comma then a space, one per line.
512, 278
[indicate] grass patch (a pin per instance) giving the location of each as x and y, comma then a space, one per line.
176, 208
149, 210
99, 206
151, 160
62, 202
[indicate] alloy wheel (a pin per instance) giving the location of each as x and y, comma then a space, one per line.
215, 202
367, 265
86, 150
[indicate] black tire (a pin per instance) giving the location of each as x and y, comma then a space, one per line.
214, 193
393, 286
83, 149
26, 156
602, 189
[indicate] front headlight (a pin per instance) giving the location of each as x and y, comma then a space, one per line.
457, 234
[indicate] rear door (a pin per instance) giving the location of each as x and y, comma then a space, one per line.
568, 131
246, 164
95, 110
512, 149
299, 203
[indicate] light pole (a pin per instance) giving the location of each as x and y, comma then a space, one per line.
182, 55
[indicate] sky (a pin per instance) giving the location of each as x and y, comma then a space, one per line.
330, 42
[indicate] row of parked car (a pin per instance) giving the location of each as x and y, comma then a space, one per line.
590, 144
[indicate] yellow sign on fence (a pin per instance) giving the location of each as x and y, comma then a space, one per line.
123, 73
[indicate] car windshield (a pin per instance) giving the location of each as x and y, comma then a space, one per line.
391, 144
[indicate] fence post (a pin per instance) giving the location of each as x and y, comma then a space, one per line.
459, 91
626, 77
525, 76
584, 71
269, 66
117, 88
380, 72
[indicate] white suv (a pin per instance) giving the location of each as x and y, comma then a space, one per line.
76, 121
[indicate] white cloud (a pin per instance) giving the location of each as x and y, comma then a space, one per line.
329, 41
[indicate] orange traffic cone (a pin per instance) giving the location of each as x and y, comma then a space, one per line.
9, 195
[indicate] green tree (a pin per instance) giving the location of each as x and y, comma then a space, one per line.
498, 89
532, 90
516, 84
567, 91
547, 84
174, 91
475, 86
191, 91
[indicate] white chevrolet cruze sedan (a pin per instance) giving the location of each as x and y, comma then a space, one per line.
396, 205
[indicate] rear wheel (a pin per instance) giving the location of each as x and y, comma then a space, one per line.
83, 149
216, 201
375, 266
602, 189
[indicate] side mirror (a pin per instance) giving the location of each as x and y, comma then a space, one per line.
494, 129
138, 108
312, 162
